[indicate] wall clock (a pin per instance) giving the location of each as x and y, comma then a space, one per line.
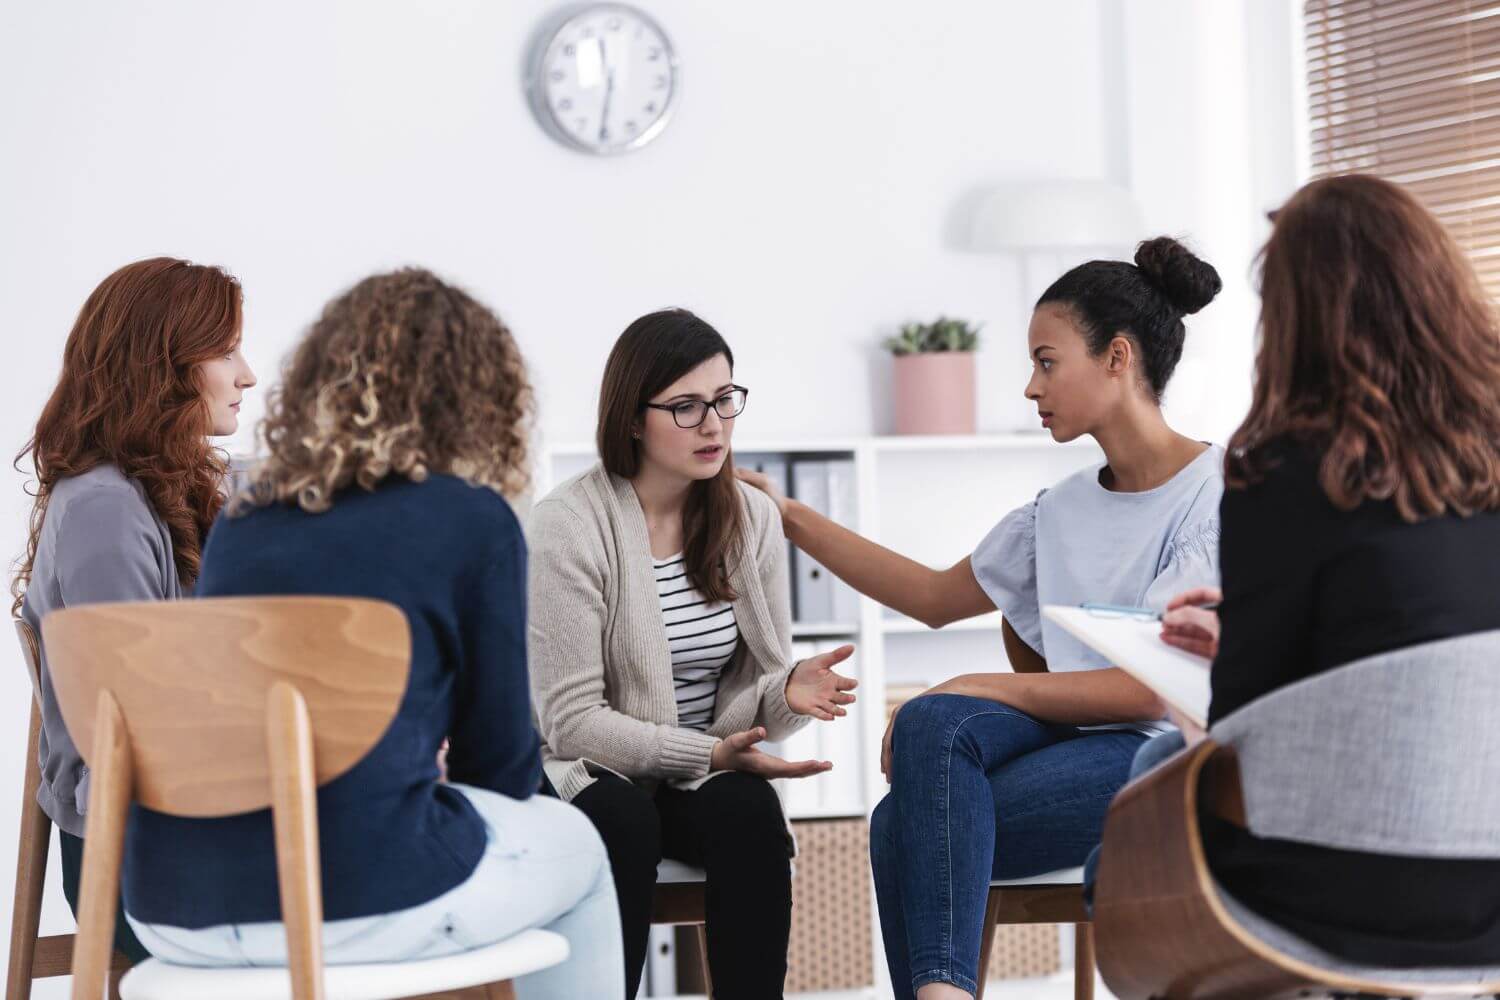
603, 78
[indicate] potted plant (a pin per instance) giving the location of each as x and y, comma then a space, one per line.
934, 377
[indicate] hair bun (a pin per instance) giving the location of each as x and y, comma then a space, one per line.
1188, 282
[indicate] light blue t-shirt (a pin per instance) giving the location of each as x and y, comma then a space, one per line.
1079, 542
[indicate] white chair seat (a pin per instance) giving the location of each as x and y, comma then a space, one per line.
670, 871
527, 952
1063, 876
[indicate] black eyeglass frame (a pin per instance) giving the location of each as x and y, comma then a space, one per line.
703, 407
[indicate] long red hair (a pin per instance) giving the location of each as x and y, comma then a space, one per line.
129, 395
1378, 348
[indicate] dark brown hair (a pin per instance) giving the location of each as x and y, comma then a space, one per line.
129, 395
653, 352
1377, 347
403, 374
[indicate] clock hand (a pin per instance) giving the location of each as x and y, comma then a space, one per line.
609, 89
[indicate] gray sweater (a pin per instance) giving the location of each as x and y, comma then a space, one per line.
101, 541
601, 671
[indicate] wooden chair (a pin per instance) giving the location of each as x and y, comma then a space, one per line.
289, 693
1052, 898
681, 900
1165, 927
33, 957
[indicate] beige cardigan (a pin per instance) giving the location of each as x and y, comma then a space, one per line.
601, 671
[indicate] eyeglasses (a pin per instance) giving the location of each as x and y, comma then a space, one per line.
691, 412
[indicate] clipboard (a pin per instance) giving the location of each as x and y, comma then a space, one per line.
1134, 645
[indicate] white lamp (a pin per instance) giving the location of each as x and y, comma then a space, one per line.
1055, 215
1047, 226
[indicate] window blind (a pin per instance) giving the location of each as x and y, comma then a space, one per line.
1409, 90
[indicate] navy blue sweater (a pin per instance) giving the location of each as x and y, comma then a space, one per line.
452, 557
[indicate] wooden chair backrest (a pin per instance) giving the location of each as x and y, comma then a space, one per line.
32, 654
192, 680
219, 706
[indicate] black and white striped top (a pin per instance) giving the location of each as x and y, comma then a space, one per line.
702, 637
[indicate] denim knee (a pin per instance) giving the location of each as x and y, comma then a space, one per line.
927, 720
883, 829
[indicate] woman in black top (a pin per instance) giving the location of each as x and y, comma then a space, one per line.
1362, 515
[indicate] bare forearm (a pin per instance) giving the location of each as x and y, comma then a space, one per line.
874, 570
1076, 698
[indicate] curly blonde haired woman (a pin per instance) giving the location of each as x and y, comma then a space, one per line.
396, 435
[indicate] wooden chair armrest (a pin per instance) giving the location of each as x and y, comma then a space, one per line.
1158, 921
1146, 851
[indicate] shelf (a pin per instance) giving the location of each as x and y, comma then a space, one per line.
830, 812
1013, 441
910, 626
882, 444
836, 446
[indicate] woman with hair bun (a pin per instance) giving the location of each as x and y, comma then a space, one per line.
1008, 774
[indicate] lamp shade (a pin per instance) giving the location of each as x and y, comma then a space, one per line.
1055, 215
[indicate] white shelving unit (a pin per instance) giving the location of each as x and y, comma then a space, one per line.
932, 499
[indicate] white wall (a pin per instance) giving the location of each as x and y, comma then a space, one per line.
805, 199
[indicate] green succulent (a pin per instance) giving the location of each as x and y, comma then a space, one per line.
942, 334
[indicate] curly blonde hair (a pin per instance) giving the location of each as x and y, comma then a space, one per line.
403, 374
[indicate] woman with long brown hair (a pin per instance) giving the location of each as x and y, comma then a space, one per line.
661, 641
127, 482
1361, 515
392, 444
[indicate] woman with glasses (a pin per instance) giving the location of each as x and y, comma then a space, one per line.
660, 638
1009, 774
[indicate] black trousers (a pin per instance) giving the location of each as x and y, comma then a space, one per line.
72, 870
731, 827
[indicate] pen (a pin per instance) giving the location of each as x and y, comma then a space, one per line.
1127, 611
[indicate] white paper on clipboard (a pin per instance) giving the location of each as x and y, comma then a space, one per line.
1179, 678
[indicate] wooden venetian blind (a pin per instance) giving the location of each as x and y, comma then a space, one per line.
1410, 90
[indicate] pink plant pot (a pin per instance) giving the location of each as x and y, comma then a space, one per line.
934, 393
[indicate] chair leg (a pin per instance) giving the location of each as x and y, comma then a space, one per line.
1083, 962
708, 979
987, 940
31, 871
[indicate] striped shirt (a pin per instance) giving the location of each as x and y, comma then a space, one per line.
702, 636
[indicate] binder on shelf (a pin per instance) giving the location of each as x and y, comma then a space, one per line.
799, 796
828, 487
841, 509
773, 466
812, 585
840, 791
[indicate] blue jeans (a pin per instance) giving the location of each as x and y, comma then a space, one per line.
979, 791
1155, 750
544, 866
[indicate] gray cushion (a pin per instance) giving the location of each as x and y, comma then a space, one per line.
1395, 754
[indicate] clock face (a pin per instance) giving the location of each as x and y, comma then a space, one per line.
604, 80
